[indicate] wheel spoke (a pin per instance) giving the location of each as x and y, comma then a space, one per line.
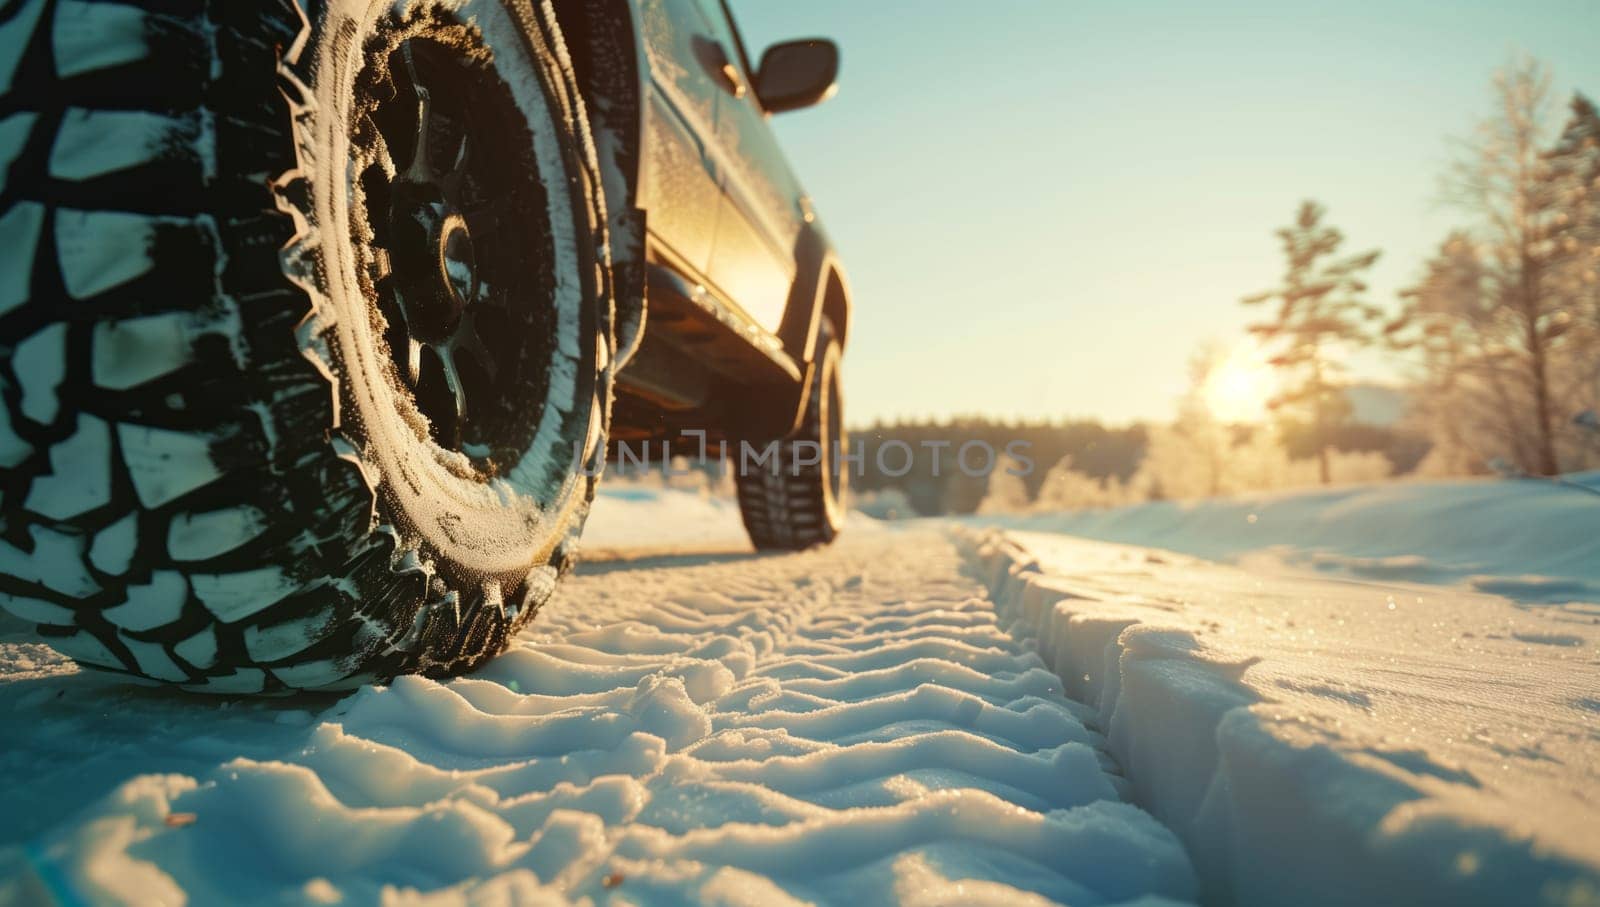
451, 182
420, 169
452, 379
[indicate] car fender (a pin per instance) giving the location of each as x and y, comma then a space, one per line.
820, 289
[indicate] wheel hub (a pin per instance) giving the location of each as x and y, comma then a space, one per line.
435, 270
458, 225
456, 264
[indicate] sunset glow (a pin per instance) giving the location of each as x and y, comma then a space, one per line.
1239, 386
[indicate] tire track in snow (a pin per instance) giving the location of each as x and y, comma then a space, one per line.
847, 725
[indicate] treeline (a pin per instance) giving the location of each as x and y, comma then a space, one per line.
1500, 333
1499, 336
935, 482
1078, 463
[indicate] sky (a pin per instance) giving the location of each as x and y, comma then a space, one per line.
1044, 207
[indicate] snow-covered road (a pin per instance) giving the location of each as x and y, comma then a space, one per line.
846, 726
921, 713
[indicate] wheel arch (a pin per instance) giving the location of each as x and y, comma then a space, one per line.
820, 290
836, 301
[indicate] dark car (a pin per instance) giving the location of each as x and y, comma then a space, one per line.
316, 318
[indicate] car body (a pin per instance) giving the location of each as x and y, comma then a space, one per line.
715, 235
358, 292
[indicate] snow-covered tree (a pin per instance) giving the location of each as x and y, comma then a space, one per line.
1007, 493
1505, 321
1321, 306
1066, 488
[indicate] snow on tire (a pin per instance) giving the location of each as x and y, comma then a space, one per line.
245, 446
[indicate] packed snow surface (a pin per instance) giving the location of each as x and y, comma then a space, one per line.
1527, 539
842, 726
640, 518
920, 714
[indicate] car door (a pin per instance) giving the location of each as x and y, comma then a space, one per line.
752, 258
680, 176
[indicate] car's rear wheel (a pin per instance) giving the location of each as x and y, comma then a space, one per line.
305, 334
796, 500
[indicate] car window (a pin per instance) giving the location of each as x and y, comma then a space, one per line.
738, 38
727, 31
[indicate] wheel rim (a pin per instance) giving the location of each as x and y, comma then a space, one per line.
460, 249
502, 499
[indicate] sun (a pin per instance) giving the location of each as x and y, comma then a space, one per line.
1239, 385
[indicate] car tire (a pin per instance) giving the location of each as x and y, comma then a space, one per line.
248, 444
796, 499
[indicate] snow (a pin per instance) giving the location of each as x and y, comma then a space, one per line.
32, 609
129, 352
202, 536
20, 226
40, 363
268, 644
92, 143
920, 713
99, 250
91, 36
79, 479
56, 561
200, 649
1528, 539
165, 465
234, 597
847, 725
153, 604
112, 549
1290, 726
635, 515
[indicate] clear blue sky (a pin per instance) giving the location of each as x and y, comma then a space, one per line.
1044, 206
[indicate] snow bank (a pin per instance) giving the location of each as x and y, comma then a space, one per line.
1526, 539
1316, 742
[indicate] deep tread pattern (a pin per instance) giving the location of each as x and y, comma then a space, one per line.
784, 503
172, 502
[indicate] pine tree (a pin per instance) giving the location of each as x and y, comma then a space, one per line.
1321, 306
1463, 396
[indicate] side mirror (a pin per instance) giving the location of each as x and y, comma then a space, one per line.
797, 74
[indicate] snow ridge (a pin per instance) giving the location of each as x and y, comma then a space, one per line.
1275, 807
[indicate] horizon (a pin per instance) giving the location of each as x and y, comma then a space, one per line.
1396, 387
1057, 227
